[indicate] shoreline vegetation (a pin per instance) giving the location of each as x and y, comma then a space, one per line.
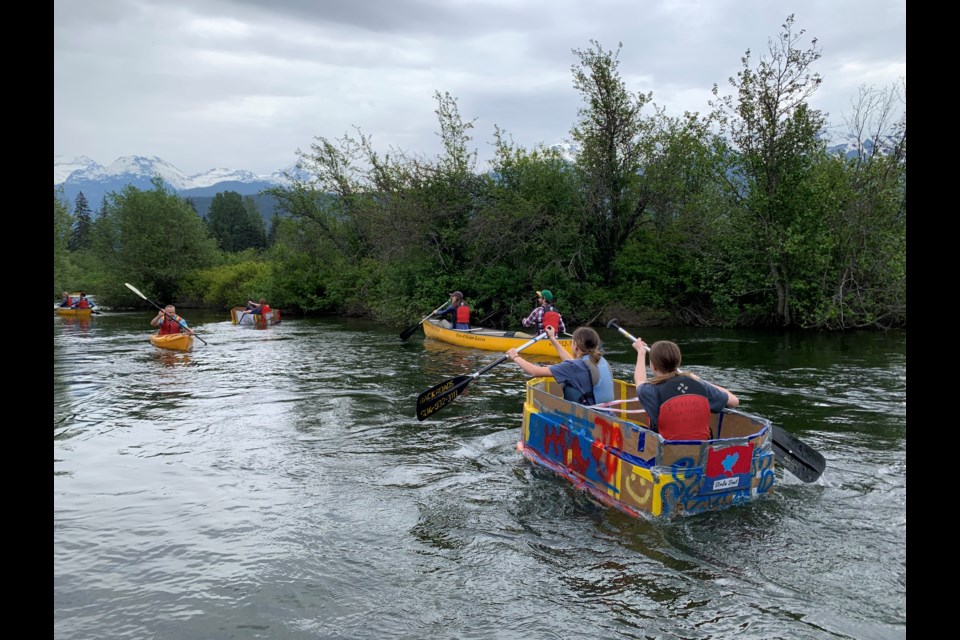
740, 217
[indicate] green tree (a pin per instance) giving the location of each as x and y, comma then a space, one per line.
235, 222
80, 239
777, 139
615, 141
522, 234
864, 284
255, 234
153, 238
62, 225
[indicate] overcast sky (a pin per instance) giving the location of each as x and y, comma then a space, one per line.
244, 84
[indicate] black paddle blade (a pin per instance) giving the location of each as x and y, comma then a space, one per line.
803, 461
410, 331
436, 398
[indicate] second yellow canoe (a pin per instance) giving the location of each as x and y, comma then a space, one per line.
74, 313
491, 339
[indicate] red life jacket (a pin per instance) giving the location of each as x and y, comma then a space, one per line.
551, 318
462, 314
684, 409
83, 303
264, 308
168, 326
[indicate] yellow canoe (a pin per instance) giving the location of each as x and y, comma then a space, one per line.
491, 339
74, 313
175, 341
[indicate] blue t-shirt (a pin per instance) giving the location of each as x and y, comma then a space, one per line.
650, 400
574, 375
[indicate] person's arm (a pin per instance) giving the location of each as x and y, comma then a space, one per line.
529, 319
552, 335
157, 319
533, 370
732, 400
640, 371
183, 323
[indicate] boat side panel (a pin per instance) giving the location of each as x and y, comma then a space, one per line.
490, 340
634, 468
175, 341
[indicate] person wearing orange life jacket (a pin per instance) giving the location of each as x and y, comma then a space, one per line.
66, 301
677, 403
545, 310
169, 322
458, 311
82, 302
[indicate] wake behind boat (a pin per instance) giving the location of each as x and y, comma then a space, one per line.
489, 339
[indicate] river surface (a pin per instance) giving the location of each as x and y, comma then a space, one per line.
277, 484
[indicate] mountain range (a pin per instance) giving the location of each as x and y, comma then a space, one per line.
80, 173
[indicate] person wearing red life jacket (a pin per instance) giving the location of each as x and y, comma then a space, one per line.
545, 310
169, 322
82, 302
458, 311
258, 308
66, 301
677, 403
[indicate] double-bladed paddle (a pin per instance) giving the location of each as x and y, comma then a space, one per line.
137, 291
802, 460
409, 331
439, 396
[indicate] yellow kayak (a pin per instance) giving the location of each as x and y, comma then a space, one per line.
175, 341
491, 339
74, 313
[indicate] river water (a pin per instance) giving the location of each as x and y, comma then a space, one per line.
276, 484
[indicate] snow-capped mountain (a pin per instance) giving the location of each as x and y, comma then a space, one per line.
64, 166
82, 174
83, 169
850, 147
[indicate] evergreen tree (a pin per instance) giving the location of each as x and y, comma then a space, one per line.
80, 239
62, 223
272, 233
235, 222
254, 233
